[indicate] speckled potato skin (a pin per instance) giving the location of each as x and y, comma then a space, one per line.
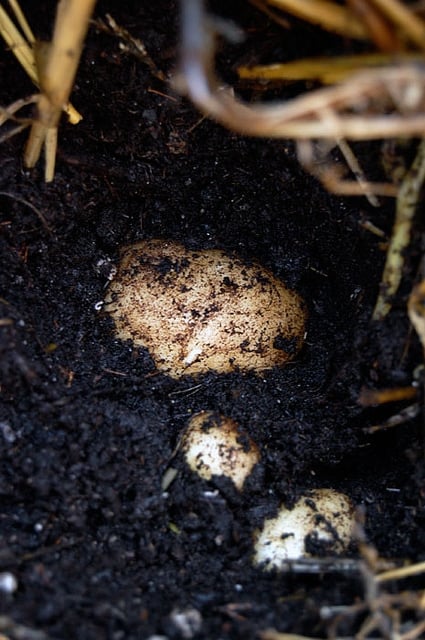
324, 515
200, 311
214, 445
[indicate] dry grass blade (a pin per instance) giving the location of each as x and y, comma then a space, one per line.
57, 78
274, 15
372, 397
315, 158
328, 15
405, 415
325, 70
13, 132
8, 113
22, 21
401, 572
23, 49
381, 32
396, 94
18, 45
71, 25
416, 310
407, 202
411, 25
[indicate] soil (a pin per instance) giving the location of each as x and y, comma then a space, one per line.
88, 429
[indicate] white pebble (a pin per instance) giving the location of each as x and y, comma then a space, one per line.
8, 582
187, 621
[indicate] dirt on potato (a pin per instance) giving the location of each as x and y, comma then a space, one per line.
100, 542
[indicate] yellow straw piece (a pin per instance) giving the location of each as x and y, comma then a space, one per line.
401, 572
326, 70
24, 49
52, 68
410, 24
328, 15
406, 206
56, 71
22, 21
18, 45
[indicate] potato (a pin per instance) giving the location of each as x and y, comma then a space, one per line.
324, 517
213, 445
201, 311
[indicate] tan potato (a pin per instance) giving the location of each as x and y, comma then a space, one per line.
215, 446
200, 311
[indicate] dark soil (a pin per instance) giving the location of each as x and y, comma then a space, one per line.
88, 428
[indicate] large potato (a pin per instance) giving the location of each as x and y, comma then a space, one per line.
200, 311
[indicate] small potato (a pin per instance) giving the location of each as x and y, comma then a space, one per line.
323, 517
215, 446
200, 311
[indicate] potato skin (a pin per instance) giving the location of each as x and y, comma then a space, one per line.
213, 444
324, 517
201, 311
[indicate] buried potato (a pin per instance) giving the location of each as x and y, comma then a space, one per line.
322, 519
200, 311
214, 445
